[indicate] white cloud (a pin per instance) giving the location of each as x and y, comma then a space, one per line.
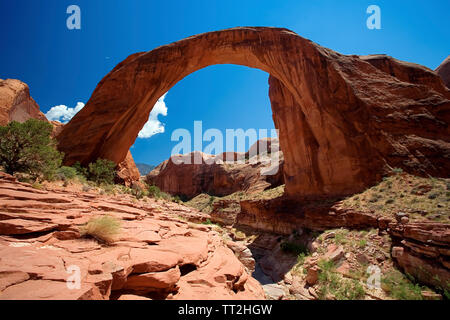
62, 113
153, 125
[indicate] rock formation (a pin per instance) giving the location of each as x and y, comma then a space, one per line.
220, 175
444, 71
16, 104
342, 119
127, 172
155, 255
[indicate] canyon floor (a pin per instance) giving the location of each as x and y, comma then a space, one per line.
196, 250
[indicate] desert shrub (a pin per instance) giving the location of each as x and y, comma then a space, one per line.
81, 171
102, 171
27, 147
37, 185
102, 228
154, 191
362, 243
301, 258
207, 222
397, 170
66, 173
138, 193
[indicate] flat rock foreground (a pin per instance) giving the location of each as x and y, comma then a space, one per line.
156, 255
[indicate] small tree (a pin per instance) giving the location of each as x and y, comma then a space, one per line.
27, 147
102, 171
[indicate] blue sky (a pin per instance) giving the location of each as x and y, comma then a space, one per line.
62, 67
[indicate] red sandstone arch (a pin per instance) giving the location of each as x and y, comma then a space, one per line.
341, 118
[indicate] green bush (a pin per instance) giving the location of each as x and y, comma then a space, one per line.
66, 173
102, 171
27, 147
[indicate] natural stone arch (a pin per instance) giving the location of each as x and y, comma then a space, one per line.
325, 105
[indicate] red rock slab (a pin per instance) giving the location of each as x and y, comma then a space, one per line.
222, 271
192, 250
49, 290
154, 281
78, 245
17, 186
10, 205
153, 259
38, 263
147, 236
21, 226
26, 195
106, 206
9, 278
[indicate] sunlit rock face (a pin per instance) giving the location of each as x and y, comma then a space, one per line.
16, 104
342, 119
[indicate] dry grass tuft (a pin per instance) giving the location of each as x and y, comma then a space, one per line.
103, 228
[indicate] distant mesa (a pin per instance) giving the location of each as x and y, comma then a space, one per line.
144, 168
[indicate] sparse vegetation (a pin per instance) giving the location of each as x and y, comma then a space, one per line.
333, 285
422, 198
400, 287
103, 228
